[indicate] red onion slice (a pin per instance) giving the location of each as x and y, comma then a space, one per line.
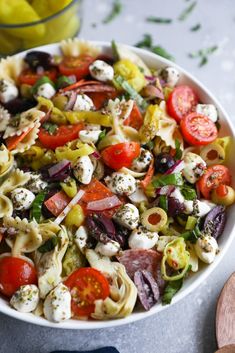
177, 167
59, 168
72, 95
165, 190
96, 155
104, 204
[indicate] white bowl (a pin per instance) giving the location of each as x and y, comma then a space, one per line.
153, 61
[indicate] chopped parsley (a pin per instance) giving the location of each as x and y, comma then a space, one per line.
116, 10
147, 43
195, 28
186, 12
203, 54
159, 20
50, 128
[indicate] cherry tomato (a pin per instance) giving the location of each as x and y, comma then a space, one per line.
15, 272
121, 154
78, 66
135, 119
182, 101
30, 77
221, 190
212, 178
61, 136
86, 285
198, 129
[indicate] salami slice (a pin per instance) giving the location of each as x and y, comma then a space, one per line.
140, 259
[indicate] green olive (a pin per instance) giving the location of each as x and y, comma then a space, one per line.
213, 154
154, 219
226, 200
60, 101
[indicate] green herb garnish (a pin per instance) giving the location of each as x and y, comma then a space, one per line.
169, 179
160, 20
188, 192
162, 52
195, 28
36, 209
50, 128
171, 289
178, 150
149, 145
163, 202
101, 135
147, 43
49, 245
192, 235
187, 11
116, 10
203, 54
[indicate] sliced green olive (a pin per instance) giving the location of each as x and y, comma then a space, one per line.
213, 154
225, 200
154, 219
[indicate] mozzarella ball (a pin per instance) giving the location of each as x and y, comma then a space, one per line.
209, 110
22, 199
142, 238
26, 298
57, 305
83, 102
199, 208
171, 76
206, 249
89, 136
92, 127
127, 215
36, 184
177, 195
83, 170
81, 237
121, 183
8, 91
141, 163
138, 196
194, 167
109, 249
46, 90
101, 71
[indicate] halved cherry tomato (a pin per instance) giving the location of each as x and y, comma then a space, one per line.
135, 119
198, 129
78, 66
212, 178
30, 77
15, 272
148, 176
86, 285
62, 135
182, 101
221, 190
121, 154
100, 98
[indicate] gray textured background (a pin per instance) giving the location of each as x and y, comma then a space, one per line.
188, 326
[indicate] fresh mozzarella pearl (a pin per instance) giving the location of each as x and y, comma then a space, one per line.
198, 207
127, 215
8, 91
206, 249
141, 163
171, 76
138, 196
194, 166
26, 298
209, 110
142, 238
83, 102
177, 195
57, 305
83, 170
89, 136
36, 184
46, 90
101, 71
81, 237
120, 183
22, 198
109, 249
92, 127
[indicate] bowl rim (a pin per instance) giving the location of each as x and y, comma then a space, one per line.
205, 272
43, 20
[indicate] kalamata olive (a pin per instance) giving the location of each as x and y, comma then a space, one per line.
19, 105
215, 222
163, 162
121, 236
174, 207
147, 287
37, 58
101, 228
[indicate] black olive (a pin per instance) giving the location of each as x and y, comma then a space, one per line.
38, 58
215, 222
19, 105
163, 162
175, 207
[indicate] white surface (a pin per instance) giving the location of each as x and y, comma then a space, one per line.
187, 326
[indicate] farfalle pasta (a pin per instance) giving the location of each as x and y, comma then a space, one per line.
4, 119
6, 206
15, 179
11, 67
76, 47
28, 141
6, 161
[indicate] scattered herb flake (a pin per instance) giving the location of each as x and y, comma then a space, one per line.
146, 42
159, 20
195, 28
203, 54
162, 52
187, 11
50, 128
116, 10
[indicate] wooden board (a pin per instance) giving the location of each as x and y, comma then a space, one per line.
225, 315
227, 349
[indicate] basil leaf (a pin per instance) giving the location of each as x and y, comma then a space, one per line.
35, 211
187, 11
49, 245
116, 10
188, 192
178, 151
170, 179
171, 289
160, 20
50, 128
